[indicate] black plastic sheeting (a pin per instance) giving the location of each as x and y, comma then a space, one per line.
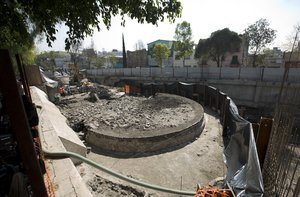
243, 173
240, 154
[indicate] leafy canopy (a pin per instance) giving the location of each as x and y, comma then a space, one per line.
160, 53
259, 35
183, 36
217, 45
19, 19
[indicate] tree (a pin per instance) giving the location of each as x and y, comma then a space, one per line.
124, 52
100, 62
201, 51
47, 59
139, 45
217, 45
293, 38
90, 55
259, 35
160, 53
111, 57
183, 44
19, 18
74, 52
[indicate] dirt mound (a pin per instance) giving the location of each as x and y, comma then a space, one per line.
121, 112
103, 187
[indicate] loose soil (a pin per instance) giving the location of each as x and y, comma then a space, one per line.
122, 112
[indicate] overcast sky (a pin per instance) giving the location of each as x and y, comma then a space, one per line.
205, 17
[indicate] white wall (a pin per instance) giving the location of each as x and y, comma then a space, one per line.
205, 73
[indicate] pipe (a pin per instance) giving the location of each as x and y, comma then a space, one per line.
66, 154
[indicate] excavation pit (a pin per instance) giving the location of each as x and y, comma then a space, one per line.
135, 124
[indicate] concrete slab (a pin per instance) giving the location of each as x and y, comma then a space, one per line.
50, 112
64, 176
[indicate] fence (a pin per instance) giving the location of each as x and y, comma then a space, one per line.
202, 73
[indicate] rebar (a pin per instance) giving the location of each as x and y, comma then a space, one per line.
280, 170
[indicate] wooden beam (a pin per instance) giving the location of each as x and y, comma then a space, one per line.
20, 125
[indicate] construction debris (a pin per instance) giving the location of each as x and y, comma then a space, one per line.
105, 108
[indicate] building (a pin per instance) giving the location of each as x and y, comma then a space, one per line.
292, 60
272, 58
188, 61
137, 58
113, 59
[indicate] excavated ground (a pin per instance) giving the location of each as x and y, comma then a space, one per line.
120, 113
181, 167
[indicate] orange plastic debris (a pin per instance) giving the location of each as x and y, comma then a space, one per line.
213, 192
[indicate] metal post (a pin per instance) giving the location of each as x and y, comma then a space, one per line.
23, 76
20, 124
262, 74
173, 71
187, 72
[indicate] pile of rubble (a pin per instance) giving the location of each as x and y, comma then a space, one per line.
105, 108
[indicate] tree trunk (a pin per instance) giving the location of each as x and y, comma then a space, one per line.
218, 62
254, 58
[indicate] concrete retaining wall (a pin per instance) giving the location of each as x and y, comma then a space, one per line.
63, 174
253, 87
67, 136
202, 73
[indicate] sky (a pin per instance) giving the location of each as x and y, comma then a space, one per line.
205, 17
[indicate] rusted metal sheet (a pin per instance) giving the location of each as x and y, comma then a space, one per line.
263, 137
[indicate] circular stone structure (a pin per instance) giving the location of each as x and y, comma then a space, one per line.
129, 141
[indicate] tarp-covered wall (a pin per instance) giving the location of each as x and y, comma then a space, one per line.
243, 173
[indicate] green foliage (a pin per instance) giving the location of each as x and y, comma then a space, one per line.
99, 62
79, 16
183, 36
46, 59
29, 56
112, 59
259, 35
17, 32
160, 53
217, 45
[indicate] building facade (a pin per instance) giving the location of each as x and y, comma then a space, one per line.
137, 58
